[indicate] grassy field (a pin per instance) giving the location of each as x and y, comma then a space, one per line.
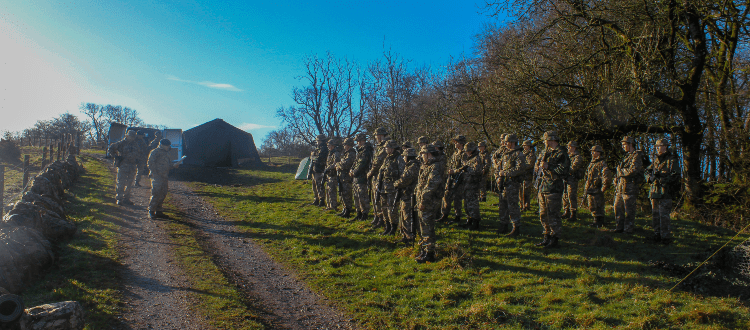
481, 280
86, 266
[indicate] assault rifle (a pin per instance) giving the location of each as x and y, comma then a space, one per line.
456, 179
539, 174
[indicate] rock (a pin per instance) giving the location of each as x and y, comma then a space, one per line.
67, 315
24, 253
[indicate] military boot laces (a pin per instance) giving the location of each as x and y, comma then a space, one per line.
544, 242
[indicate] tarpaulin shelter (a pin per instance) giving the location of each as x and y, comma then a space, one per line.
219, 144
303, 169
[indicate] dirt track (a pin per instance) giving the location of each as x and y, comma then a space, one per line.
157, 293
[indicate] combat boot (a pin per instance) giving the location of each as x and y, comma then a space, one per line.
553, 242
475, 224
364, 216
573, 216
427, 257
315, 203
565, 215
455, 220
358, 216
516, 230
394, 229
421, 254
344, 213
161, 214
377, 222
387, 229
544, 242
503, 228
467, 224
443, 218
597, 222
152, 215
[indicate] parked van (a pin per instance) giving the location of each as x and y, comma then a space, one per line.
117, 133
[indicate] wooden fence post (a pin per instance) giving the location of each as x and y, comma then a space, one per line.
25, 170
78, 143
59, 149
2, 190
44, 157
51, 152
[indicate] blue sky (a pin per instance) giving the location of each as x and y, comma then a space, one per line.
182, 63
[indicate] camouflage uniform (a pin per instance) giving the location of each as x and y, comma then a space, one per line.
130, 149
629, 175
318, 158
454, 196
142, 170
159, 165
390, 172
598, 178
343, 167
332, 178
528, 176
473, 167
377, 162
664, 176
428, 197
570, 195
510, 171
487, 161
359, 170
407, 183
551, 187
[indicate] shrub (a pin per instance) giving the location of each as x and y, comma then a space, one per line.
9, 151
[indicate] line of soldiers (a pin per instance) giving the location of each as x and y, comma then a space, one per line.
134, 157
412, 190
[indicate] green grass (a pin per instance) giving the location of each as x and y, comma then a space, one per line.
87, 266
481, 280
216, 298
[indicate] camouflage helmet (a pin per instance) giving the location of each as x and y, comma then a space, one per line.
320, 138
406, 145
628, 139
662, 142
165, 142
131, 132
550, 136
380, 131
361, 137
333, 142
428, 149
348, 142
510, 138
528, 143
573, 144
423, 139
597, 148
157, 133
482, 144
460, 139
392, 144
471, 146
410, 152
502, 137
438, 144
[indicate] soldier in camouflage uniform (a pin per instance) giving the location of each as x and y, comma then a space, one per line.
510, 171
528, 176
406, 185
159, 165
142, 170
453, 196
551, 167
128, 152
318, 158
377, 161
663, 175
390, 172
598, 178
428, 196
332, 178
496, 158
473, 166
155, 142
422, 141
343, 167
570, 196
359, 173
486, 156
627, 183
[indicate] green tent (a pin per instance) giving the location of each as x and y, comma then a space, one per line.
304, 167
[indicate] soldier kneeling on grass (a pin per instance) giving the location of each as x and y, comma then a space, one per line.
159, 165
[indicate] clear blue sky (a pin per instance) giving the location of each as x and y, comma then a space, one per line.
182, 63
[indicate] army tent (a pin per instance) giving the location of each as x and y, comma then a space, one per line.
302, 169
219, 144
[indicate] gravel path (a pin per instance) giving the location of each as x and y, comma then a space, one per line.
285, 302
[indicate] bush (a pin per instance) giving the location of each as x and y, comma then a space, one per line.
9, 151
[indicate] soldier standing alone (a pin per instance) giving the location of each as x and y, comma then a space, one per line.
318, 158
359, 173
159, 165
629, 173
128, 153
664, 176
551, 167
428, 197
343, 167
598, 178
570, 195
510, 170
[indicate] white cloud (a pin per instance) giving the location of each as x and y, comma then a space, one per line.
251, 126
209, 84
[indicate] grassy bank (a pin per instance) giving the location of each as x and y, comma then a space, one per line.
481, 280
86, 268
